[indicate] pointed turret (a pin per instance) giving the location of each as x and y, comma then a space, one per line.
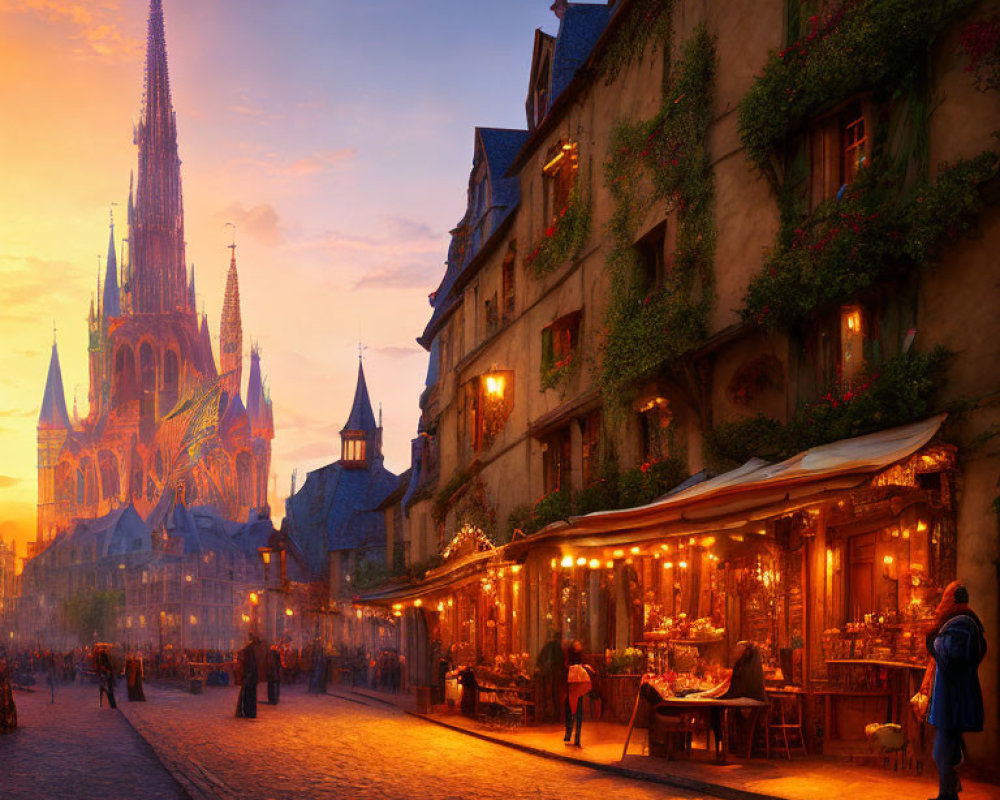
111, 306
206, 347
231, 332
157, 235
54, 414
191, 295
361, 437
362, 417
258, 405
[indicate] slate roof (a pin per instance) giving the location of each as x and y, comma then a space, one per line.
361, 418
500, 146
333, 510
53, 414
579, 30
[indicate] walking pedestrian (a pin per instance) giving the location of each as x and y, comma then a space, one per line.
246, 703
957, 644
105, 676
8, 711
274, 675
579, 682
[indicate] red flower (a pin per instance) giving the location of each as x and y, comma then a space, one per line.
550, 231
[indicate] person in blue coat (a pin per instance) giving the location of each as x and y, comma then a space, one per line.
958, 645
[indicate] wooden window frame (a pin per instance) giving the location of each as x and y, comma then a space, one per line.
827, 148
557, 457
562, 164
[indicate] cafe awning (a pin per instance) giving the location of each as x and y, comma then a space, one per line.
444, 577
752, 492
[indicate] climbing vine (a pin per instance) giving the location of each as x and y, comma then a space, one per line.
663, 159
888, 221
647, 21
874, 230
563, 239
895, 392
860, 46
614, 489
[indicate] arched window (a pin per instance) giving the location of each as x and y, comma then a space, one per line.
171, 381
244, 479
147, 368
124, 388
86, 482
108, 465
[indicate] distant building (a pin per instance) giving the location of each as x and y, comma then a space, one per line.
333, 516
8, 560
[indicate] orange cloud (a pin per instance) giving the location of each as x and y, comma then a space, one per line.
96, 25
261, 222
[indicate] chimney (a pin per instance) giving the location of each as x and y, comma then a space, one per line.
559, 8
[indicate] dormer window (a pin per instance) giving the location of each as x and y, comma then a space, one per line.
353, 449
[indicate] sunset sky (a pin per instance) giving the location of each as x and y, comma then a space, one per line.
336, 135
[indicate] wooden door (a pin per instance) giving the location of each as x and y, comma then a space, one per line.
861, 596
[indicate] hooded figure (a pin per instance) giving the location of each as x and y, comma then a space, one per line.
246, 704
958, 645
8, 711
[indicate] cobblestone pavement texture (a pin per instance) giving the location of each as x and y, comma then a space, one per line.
328, 747
74, 749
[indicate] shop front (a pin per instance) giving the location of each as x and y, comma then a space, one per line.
829, 563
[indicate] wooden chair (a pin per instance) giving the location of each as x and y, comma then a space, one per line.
784, 716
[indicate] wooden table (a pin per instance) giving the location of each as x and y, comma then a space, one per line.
702, 704
524, 698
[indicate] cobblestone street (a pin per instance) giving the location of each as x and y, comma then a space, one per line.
73, 749
327, 747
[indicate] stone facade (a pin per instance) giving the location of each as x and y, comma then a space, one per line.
515, 409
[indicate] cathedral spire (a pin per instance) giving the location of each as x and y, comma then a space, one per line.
110, 305
191, 294
157, 238
258, 404
54, 414
231, 331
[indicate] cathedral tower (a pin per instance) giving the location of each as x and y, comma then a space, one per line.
53, 427
231, 332
156, 239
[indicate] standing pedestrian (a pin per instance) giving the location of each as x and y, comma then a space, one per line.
274, 675
133, 678
246, 703
8, 711
552, 670
50, 675
958, 645
579, 682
